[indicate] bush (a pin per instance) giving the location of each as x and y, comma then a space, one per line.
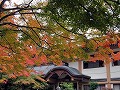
93, 85
66, 86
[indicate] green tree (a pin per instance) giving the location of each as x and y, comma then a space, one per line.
82, 15
32, 82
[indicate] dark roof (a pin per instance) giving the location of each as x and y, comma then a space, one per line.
50, 68
69, 69
72, 71
61, 73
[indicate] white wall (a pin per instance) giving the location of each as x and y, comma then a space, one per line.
95, 73
115, 71
98, 73
73, 64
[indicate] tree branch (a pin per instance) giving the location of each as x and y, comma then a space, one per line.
34, 40
2, 3
18, 9
22, 26
66, 28
13, 13
22, 8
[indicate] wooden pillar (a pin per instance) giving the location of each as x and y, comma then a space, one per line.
78, 86
54, 87
108, 75
82, 87
80, 65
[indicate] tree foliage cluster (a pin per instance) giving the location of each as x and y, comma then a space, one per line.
33, 82
66, 86
82, 15
56, 30
93, 85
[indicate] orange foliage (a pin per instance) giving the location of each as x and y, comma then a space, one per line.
116, 56
28, 57
34, 23
25, 73
104, 51
43, 58
119, 44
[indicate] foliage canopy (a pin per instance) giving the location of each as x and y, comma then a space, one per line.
56, 30
82, 15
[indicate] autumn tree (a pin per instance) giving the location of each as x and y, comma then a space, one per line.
52, 31
26, 39
96, 21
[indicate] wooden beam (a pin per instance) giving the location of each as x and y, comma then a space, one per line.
102, 82
114, 82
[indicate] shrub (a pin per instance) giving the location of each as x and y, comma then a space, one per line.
66, 86
93, 85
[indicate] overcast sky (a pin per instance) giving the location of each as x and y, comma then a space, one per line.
25, 1
17, 1
22, 1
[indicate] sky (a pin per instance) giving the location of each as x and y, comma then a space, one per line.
17, 1
20, 1
25, 1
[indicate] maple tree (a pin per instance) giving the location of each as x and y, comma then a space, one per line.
24, 83
96, 21
32, 35
18, 37
82, 15
25, 41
